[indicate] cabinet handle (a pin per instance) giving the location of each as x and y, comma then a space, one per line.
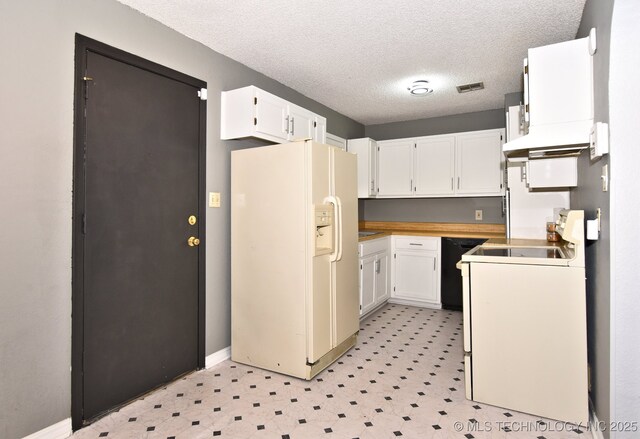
378, 266
293, 126
411, 185
415, 243
287, 130
458, 182
372, 186
451, 183
434, 264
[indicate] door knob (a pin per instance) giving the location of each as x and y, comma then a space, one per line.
193, 241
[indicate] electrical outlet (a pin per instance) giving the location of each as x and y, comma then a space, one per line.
478, 215
214, 199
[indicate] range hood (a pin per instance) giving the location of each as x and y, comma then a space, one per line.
548, 141
558, 101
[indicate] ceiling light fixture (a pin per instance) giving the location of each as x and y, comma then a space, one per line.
420, 88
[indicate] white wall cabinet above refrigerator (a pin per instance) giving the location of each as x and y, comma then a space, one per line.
461, 164
366, 150
252, 112
340, 142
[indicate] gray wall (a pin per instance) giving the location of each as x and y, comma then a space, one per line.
436, 210
479, 120
624, 115
458, 210
589, 196
511, 99
36, 109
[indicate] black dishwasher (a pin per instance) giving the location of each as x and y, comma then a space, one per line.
451, 281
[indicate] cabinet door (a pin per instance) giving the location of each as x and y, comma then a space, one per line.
367, 284
320, 129
395, 167
333, 140
479, 163
300, 123
382, 278
416, 276
434, 165
366, 151
270, 116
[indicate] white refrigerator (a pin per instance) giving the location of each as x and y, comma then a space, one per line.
294, 261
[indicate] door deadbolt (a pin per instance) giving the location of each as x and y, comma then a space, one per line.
193, 241
192, 220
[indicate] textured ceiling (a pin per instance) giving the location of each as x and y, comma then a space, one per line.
359, 56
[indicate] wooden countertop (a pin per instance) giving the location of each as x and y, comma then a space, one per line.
448, 230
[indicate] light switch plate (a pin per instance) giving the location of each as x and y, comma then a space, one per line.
214, 199
478, 215
605, 178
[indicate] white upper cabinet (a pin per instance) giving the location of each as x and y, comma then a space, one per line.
270, 115
479, 163
434, 165
252, 112
333, 140
395, 167
461, 164
300, 123
320, 130
366, 150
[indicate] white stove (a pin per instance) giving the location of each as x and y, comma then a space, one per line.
524, 311
568, 252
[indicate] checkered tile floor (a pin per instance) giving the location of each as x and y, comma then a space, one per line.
404, 379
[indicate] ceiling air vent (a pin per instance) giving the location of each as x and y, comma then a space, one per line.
470, 87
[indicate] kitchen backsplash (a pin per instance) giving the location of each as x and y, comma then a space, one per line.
439, 210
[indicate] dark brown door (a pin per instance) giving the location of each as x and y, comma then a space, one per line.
141, 178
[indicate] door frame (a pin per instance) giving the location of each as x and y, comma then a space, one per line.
82, 46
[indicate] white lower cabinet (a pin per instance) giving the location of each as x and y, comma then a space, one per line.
374, 269
416, 271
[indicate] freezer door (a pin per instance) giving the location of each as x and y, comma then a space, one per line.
344, 271
319, 302
268, 263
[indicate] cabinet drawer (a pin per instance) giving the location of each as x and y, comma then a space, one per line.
373, 246
416, 243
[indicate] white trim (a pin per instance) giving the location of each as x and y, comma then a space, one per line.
417, 303
596, 433
217, 357
59, 430
374, 309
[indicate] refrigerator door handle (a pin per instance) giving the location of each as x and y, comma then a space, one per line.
335, 254
339, 228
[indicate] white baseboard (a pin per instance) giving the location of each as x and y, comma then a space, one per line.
217, 357
59, 430
373, 310
415, 303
